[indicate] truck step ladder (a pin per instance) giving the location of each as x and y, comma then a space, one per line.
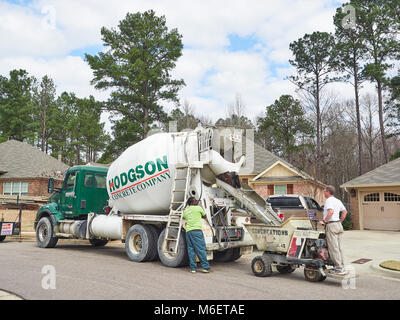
176, 208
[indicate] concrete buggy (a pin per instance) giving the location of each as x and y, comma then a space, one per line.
293, 244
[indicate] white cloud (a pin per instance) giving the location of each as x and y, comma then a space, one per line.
22, 33
70, 74
213, 74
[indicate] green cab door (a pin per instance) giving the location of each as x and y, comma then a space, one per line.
68, 195
93, 196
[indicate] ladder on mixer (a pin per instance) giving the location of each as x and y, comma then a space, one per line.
176, 208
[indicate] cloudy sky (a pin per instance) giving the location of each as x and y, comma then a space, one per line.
230, 47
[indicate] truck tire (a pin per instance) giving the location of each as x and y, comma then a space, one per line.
223, 256
156, 233
180, 259
285, 269
313, 275
228, 255
140, 243
45, 233
98, 242
2, 238
236, 254
261, 266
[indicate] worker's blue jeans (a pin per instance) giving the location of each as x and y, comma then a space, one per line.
196, 245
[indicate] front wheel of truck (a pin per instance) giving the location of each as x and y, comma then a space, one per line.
2, 238
45, 233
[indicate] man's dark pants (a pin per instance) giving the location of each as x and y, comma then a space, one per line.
196, 245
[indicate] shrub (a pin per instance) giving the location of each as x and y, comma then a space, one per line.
348, 222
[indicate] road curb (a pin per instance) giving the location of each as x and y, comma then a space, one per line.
5, 295
390, 273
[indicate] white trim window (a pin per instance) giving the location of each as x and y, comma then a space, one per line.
15, 188
372, 197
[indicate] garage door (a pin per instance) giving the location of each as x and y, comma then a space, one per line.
381, 210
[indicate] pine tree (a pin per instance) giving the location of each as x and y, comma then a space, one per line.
137, 67
314, 62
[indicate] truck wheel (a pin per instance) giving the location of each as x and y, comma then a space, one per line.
223, 256
227, 255
45, 233
179, 259
313, 275
286, 269
2, 238
156, 233
140, 243
261, 266
236, 254
98, 242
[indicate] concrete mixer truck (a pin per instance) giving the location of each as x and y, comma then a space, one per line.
140, 200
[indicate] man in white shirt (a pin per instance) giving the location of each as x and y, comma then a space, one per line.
334, 229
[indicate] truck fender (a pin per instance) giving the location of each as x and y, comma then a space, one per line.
45, 213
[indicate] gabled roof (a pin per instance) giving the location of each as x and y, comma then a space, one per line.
385, 175
279, 162
265, 160
21, 160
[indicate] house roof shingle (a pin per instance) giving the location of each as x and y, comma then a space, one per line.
387, 174
263, 159
21, 160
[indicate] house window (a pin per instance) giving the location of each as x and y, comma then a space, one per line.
372, 197
392, 197
280, 189
15, 188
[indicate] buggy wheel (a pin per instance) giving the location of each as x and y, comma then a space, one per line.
261, 266
313, 275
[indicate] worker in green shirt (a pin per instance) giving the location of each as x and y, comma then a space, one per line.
196, 244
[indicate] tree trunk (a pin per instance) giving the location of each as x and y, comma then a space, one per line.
318, 164
145, 122
381, 124
360, 168
44, 107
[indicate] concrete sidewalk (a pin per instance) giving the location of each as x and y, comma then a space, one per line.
4, 295
378, 246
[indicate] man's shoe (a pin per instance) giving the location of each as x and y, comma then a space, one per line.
205, 271
342, 271
339, 271
193, 271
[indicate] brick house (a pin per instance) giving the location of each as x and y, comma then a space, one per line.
24, 171
375, 198
270, 175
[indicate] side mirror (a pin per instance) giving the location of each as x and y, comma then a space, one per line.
50, 186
